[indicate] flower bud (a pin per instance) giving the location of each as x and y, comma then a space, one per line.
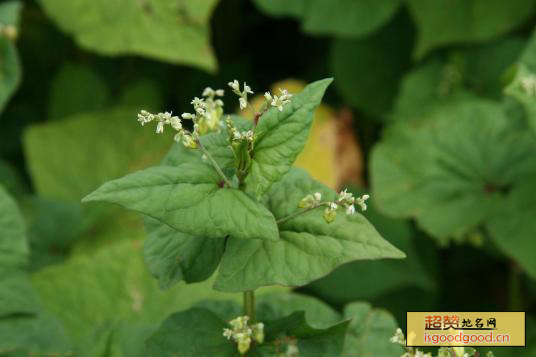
330, 215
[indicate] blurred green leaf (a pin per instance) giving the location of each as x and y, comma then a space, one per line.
77, 89
368, 70
343, 18
142, 94
370, 279
53, 227
112, 285
448, 22
11, 180
10, 68
369, 332
513, 231
40, 335
167, 30
68, 159
308, 248
16, 296
450, 170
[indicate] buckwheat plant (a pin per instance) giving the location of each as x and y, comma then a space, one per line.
226, 202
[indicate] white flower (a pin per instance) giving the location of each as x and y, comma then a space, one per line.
279, 101
243, 103
220, 92
227, 333
350, 210
242, 333
398, 337
160, 127
198, 102
208, 92
317, 196
333, 206
175, 123
346, 197
361, 202
268, 96
187, 116
237, 135
145, 117
235, 86
247, 89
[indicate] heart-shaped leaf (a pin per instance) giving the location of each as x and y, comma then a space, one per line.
308, 248
282, 136
176, 32
190, 198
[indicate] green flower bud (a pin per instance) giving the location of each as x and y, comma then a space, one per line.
330, 215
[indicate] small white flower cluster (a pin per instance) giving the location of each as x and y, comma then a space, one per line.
529, 85
310, 201
346, 200
208, 110
278, 101
399, 338
243, 100
145, 117
166, 118
237, 135
243, 334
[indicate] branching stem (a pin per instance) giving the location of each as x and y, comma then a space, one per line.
214, 163
298, 213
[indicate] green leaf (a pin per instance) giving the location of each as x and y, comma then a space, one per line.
369, 332
123, 146
16, 295
449, 170
112, 285
308, 248
40, 335
343, 18
53, 227
310, 341
10, 67
525, 73
448, 22
512, 227
282, 136
368, 70
68, 97
190, 199
142, 94
172, 256
277, 305
192, 333
176, 32
368, 280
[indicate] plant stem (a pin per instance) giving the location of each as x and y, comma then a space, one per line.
298, 213
249, 304
214, 163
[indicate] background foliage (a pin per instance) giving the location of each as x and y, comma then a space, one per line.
430, 111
